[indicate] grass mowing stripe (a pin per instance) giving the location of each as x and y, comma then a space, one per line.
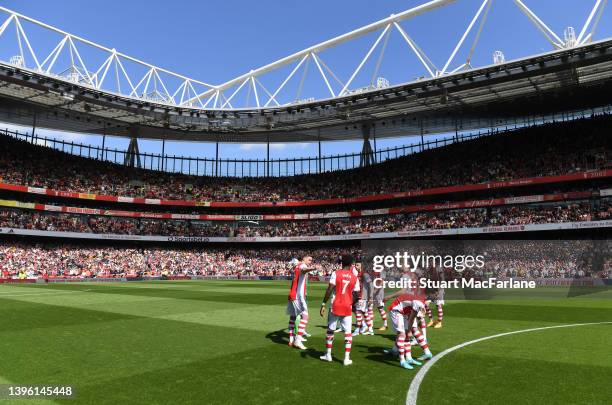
193, 284
50, 293
213, 313
546, 311
19, 315
225, 342
244, 298
413, 390
114, 350
266, 318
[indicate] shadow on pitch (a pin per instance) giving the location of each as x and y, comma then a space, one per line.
381, 357
376, 353
281, 337
278, 336
312, 353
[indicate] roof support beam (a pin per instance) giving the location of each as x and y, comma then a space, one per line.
364, 60
598, 9
331, 91
413, 12
539, 24
431, 68
465, 34
295, 69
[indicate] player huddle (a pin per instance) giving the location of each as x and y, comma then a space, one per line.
351, 290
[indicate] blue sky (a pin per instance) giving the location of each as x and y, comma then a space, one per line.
215, 41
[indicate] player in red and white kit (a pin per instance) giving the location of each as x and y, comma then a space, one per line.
297, 302
342, 283
399, 311
438, 274
439, 303
413, 325
404, 311
379, 299
355, 268
361, 306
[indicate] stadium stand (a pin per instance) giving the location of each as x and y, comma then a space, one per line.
54, 260
466, 218
547, 150
579, 147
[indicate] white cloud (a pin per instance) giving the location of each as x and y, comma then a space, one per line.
48, 133
70, 136
274, 146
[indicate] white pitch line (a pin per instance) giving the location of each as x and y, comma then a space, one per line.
411, 398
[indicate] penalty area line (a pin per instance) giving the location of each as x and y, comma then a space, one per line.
413, 391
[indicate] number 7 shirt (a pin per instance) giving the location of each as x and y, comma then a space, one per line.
345, 282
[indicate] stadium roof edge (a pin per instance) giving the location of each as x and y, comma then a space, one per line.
471, 99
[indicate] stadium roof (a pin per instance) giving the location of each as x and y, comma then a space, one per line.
573, 77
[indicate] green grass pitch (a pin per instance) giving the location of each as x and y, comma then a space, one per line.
224, 342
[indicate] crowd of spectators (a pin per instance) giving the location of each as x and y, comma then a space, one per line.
550, 259
452, 219
527, 259
108, 262
523, 259
550, 149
